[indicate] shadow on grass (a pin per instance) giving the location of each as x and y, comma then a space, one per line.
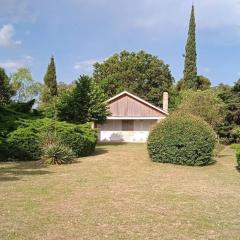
100, 151
238, 168
15, 171
212, 162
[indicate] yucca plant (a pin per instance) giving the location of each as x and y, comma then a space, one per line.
57, 153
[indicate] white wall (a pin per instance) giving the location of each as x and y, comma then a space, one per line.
112, 131
123, 136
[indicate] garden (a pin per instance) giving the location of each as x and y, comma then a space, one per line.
57, 182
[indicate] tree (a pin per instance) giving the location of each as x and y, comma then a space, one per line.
84, 103
229, 130
202, 83
25, 88
190, 66
50, 83
97, 108
204, 104
5, 89
139, 73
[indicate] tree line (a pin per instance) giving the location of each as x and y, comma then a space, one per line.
140, 73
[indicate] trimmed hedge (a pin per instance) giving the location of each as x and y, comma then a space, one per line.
182, 139
25, 142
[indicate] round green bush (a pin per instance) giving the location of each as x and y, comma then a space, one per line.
182, 139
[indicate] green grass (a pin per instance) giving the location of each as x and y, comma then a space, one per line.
120, 194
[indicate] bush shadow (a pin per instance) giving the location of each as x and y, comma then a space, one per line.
17, 170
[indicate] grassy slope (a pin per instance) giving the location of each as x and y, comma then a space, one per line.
120, 194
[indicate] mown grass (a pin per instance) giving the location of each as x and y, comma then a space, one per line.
120, 194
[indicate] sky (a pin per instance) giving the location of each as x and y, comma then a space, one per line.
81, 32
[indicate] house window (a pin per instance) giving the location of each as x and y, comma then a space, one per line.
127, 125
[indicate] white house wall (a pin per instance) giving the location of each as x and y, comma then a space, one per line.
112, 131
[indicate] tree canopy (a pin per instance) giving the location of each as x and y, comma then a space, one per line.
24, 86
204, 104
83, 103
230, 129
139, 73
5, 88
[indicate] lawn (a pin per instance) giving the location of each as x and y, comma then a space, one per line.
120, 194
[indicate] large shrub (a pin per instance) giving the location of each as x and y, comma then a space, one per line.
81, 138
25, 142
182, 139
236, 147
204, 104
238, 158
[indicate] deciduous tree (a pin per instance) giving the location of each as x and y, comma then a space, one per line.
139, 73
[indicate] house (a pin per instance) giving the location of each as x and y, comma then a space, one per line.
131, 118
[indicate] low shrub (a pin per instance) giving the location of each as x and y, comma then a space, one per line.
21, 107
25, 142
9, 122
182, 139
57, 153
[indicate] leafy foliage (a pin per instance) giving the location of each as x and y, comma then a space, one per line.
204, 104
5, 89
24, 86
81, 138
139, 73
182, 139
236, 147
22, 107
202, 83
229, 130
25, 143
190, 67
85, 103
50, 83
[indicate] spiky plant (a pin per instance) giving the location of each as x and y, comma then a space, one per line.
57, 153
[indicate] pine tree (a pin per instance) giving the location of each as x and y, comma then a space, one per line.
84, 103
190, 68
50, 81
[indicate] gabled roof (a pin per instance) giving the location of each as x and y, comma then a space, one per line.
138, 99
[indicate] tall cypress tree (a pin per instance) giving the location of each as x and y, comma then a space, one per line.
50, 81
190, 68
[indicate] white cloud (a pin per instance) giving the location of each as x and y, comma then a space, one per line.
86, 66
7, 33
13, 65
